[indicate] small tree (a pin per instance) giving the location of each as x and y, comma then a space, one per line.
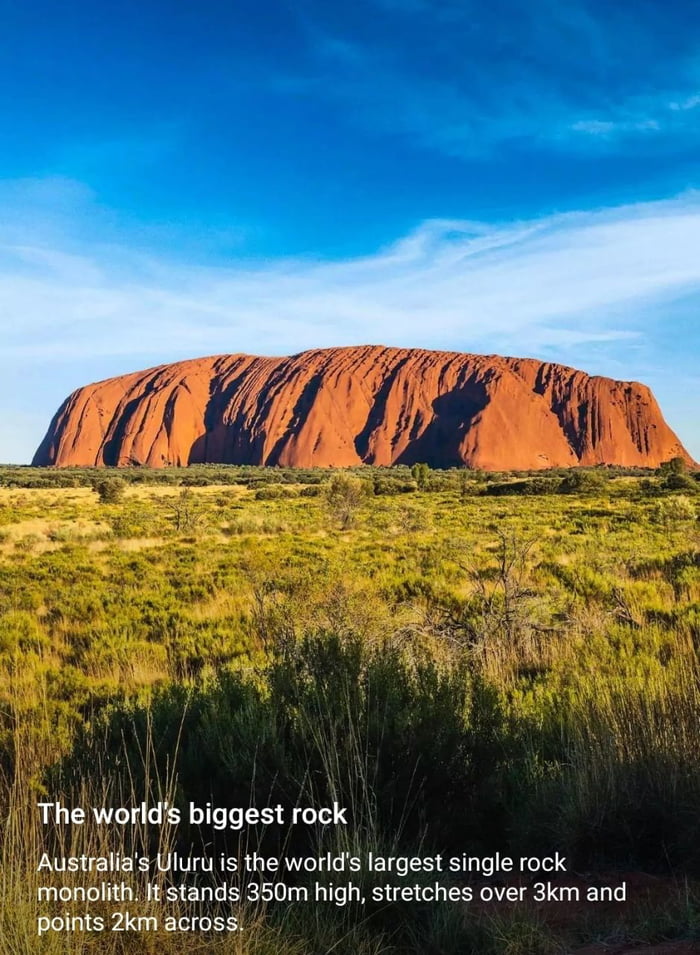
185, 513
674, 475
110, 490
675, 465
344, 496
421, 474
470, 483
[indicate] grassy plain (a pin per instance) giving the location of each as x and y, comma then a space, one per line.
469, 666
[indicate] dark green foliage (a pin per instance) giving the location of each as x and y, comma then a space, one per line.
203, 475
274, 492
580, 481
389, 485
634, 805
110, 490
648, 487
311, 490
536, 485
421, 475
675, 465
679, 481
410, 748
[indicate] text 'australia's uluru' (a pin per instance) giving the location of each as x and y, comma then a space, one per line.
365, 404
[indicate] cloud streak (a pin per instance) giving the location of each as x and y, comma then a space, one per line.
522, 286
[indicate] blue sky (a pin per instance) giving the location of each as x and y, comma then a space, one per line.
181, 179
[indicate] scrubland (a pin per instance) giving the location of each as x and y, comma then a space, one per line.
470, 663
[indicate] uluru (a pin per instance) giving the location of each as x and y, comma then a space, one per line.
363, 404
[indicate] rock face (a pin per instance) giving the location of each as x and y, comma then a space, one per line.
369, 404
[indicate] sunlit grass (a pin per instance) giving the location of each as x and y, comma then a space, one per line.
576, 616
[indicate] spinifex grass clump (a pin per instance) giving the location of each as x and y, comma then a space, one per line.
625, 789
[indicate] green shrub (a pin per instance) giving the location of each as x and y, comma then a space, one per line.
676, 465
580, 481
537, 485
110, 490
679, 481
409, 747
421, 475
344, 496
274, 492
674, 510
392, 486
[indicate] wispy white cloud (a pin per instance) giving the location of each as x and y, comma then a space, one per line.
563, 286
615, 128
666, 113
522, 286
690, 102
